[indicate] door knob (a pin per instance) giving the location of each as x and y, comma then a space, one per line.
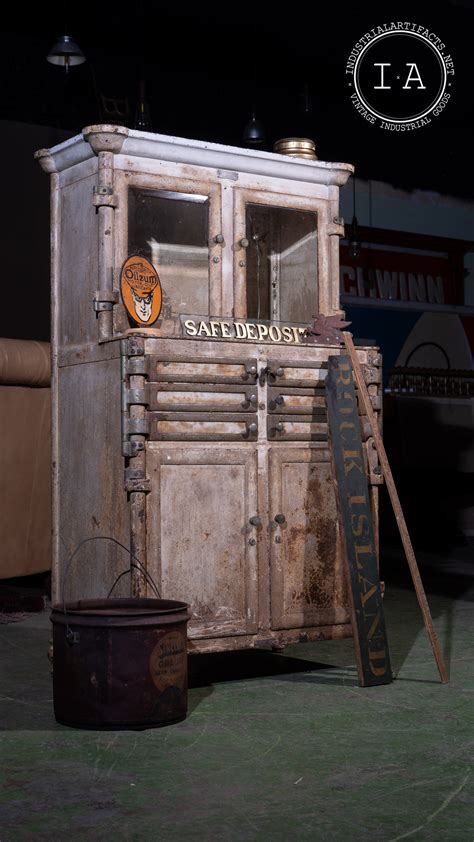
280, 518
255, 520
244, 243
219, 238
252, 427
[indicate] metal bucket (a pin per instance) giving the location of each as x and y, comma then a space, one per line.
120, 663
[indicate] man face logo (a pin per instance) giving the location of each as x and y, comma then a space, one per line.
143, 305
141, 290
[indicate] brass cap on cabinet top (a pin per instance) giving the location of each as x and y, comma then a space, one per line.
299, 147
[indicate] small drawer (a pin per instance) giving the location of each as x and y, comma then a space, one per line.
196, 426
296, 428
297, 375
285, 400
200, 397
201, 370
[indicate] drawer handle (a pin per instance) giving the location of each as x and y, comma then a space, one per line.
250, 401
280, 519
250, 370
279, 427
278, 401
255, 520
272, 374
251, 428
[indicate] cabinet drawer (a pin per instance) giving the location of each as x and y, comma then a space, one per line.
196, 426
200, 397
201, 370
297, 374
285, 400
296, 428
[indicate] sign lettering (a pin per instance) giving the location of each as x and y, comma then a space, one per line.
244, 331
355, 518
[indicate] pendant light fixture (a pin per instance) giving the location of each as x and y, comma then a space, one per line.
142, 114
254, 133
66, 53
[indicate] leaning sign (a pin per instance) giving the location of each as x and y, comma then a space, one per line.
355, 519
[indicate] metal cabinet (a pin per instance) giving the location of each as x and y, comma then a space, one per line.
201, 442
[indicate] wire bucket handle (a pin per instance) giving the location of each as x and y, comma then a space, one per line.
135, 563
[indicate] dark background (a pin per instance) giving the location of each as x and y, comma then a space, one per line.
205, 63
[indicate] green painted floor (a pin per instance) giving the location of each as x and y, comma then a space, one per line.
275, 747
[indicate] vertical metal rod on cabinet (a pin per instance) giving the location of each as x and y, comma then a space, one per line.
106, 240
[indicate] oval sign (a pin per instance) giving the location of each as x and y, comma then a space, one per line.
141, 290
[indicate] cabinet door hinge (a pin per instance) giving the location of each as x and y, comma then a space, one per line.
135, 396
104, 300
104, 197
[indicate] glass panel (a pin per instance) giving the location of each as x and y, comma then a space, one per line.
171, 229
282, 264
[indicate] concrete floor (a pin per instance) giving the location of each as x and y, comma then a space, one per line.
275, 747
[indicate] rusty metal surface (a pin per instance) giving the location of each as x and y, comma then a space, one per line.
91, 499
307, 578
200, 545
293, 401
203, 370
78, 263
300, 577
200, 397
105, 239
124, 666
199, 426
326, 330
297, 428
185, 508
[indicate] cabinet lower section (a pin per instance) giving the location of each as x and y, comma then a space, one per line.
248, 536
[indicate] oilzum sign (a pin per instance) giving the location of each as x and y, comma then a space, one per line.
400, 76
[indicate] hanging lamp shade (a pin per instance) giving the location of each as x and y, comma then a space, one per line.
66, 53
254, 133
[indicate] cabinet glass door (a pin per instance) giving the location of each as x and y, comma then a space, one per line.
172, 230
282, 263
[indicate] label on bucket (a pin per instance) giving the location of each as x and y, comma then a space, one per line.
167, 661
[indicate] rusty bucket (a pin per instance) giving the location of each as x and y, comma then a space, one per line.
120, 663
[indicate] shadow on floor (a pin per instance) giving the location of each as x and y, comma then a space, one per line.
447, 577
209, 669
215, 668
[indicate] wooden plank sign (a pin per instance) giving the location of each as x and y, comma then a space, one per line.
355, 519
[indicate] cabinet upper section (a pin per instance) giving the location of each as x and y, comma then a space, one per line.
134, 144
232, 233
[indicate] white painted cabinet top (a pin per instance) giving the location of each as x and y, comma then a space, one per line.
229, 159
